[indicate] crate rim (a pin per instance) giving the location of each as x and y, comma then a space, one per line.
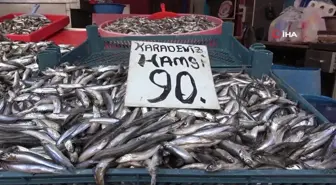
177, 176
185, 172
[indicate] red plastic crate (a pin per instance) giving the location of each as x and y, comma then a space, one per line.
58, 22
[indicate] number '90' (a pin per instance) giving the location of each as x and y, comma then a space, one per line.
168, 87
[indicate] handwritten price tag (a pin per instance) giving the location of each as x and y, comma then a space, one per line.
170, 75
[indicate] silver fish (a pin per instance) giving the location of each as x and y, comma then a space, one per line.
182, 24
23, 24
75, 116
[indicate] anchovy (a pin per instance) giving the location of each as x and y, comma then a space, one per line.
183, 24
153, 165
179, 152
29, 168
58, 156
27, 157
23, 24
70, 117
218, 166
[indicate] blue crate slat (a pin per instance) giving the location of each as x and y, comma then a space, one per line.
304, 80
224, 49
179, 176
325, 105
260, 57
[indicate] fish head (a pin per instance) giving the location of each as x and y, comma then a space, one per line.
231, 159
212, 167
166, 153
246, 158
295, 167
257, 157
14, 149
4, 165
7, 156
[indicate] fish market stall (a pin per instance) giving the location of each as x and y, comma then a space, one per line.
67, 115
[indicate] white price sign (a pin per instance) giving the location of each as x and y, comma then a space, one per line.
170, 75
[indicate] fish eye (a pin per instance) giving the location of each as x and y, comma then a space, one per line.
210, 167
248, 161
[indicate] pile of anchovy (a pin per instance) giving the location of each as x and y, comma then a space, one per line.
145, 26
16, 51
20, 55
23, 24
74, 117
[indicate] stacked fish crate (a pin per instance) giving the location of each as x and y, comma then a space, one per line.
72, 125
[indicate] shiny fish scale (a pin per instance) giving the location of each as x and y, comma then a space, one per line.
76, 116
23, 25
143, 26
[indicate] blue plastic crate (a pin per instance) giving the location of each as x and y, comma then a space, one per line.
224, 50
226, 53
304, 80
325, 105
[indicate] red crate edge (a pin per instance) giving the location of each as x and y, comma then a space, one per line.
58, 22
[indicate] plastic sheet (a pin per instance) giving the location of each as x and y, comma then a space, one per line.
298, 24
289, 21
312, 22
